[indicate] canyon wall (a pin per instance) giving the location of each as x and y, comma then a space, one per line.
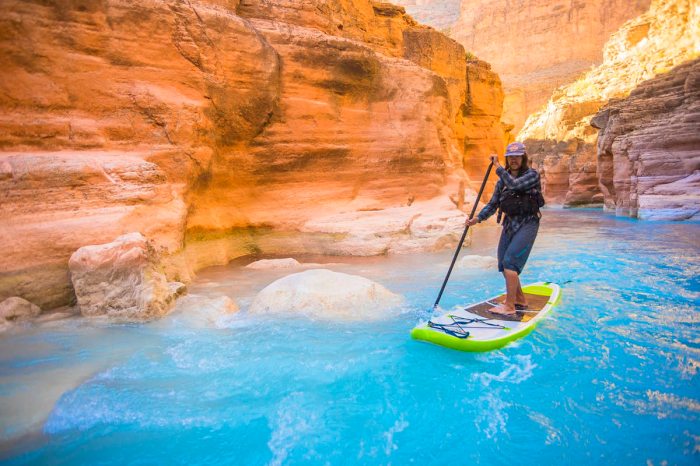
559, 137
440, 14
539, 45
219, 129
649, 147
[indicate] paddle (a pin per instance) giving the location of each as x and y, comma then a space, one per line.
464, 235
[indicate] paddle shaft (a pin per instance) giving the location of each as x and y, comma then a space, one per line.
464, 235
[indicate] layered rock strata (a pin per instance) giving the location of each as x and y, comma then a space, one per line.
649, 148
122, 280
219, 130
560, 138
537, 46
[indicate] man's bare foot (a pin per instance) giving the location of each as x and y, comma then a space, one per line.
520, 307
503, 310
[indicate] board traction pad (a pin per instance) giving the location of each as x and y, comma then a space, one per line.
535, 303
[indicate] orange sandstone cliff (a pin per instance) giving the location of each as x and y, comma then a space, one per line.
539, 45
219, 129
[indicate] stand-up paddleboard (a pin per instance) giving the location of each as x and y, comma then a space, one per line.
476, 328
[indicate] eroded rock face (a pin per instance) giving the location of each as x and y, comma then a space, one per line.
440, 14
326, 295
122, 279
220, 129
561, 140
649, 147
539, 45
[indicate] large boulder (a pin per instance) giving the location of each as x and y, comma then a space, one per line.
327, 295
122, 279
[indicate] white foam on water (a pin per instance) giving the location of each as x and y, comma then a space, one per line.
553, 434
516, 372
492, 417
399, 426
290, 424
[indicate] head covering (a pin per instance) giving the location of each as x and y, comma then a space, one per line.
515, 148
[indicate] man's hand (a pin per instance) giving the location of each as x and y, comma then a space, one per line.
472, 221
494, 160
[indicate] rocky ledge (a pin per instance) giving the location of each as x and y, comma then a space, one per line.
649, 148
220, 129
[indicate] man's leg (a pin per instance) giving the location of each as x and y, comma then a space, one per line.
512, 285
520, 296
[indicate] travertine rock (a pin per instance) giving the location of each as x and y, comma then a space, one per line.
326, 295
651, 140
122, 280
422, 226
16, 308
560, 138
267, 264
539, 45
219, 129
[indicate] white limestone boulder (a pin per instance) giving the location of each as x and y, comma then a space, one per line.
326, 295
122, 280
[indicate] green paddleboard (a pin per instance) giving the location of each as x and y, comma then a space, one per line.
475, 328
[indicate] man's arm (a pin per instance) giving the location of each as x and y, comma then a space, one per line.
490, 208
528, 181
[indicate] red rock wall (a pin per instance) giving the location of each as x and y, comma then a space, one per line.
562, 141
196, 121
649, 147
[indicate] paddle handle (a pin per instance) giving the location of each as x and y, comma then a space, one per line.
464, 235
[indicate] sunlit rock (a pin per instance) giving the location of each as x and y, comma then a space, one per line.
651, 140
562, 141
477, 262
538, 45
326, 295
422, 226
218, 129
267, 264
122, 280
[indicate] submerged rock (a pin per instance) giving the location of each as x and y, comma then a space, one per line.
327, 295
122, 279
200, 311
477, 262
266, 264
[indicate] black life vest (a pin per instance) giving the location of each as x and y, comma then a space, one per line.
520, 203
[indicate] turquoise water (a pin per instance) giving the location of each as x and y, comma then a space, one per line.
610, 378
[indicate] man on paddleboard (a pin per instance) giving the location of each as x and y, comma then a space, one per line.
518, 198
